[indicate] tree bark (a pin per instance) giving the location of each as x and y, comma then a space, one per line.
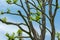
53, 30
43, 30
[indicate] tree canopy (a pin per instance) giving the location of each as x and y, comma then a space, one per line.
34, 11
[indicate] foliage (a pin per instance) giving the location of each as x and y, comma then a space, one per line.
40, 6
12, 36
58, 35
35, 16
40, 13
1, 12
8, 10
19, 31
7, 34
4, 19
15, 1
8, 1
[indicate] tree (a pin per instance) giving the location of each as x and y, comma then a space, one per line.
39, 17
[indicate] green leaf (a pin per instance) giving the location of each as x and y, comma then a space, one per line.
32, 18
19, 31
37, 18
38, 13
8, 1
1, 12
15, 1
4, 19
39, 6
7, 34
58, 6
58, 35
12, 36
8, 11
31, 13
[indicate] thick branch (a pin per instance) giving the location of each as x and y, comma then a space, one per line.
55, 9
50, 8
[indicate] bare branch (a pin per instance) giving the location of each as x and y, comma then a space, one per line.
51, 4
24, 19
10, 23
23, 7
50, 8
22, 37
22, 29
13, 14
45, 27
55, 9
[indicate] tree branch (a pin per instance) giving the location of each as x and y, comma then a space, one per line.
38, 9
45, 27
55, 9
22, 37
13, 14
10, 23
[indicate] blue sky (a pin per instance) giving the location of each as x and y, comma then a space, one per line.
11, 28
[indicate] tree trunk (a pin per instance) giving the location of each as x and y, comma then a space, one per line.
53, 30
43, 31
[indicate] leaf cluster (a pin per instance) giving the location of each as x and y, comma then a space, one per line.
35, 16
11, 1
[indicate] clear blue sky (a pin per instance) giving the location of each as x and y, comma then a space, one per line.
10, 28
